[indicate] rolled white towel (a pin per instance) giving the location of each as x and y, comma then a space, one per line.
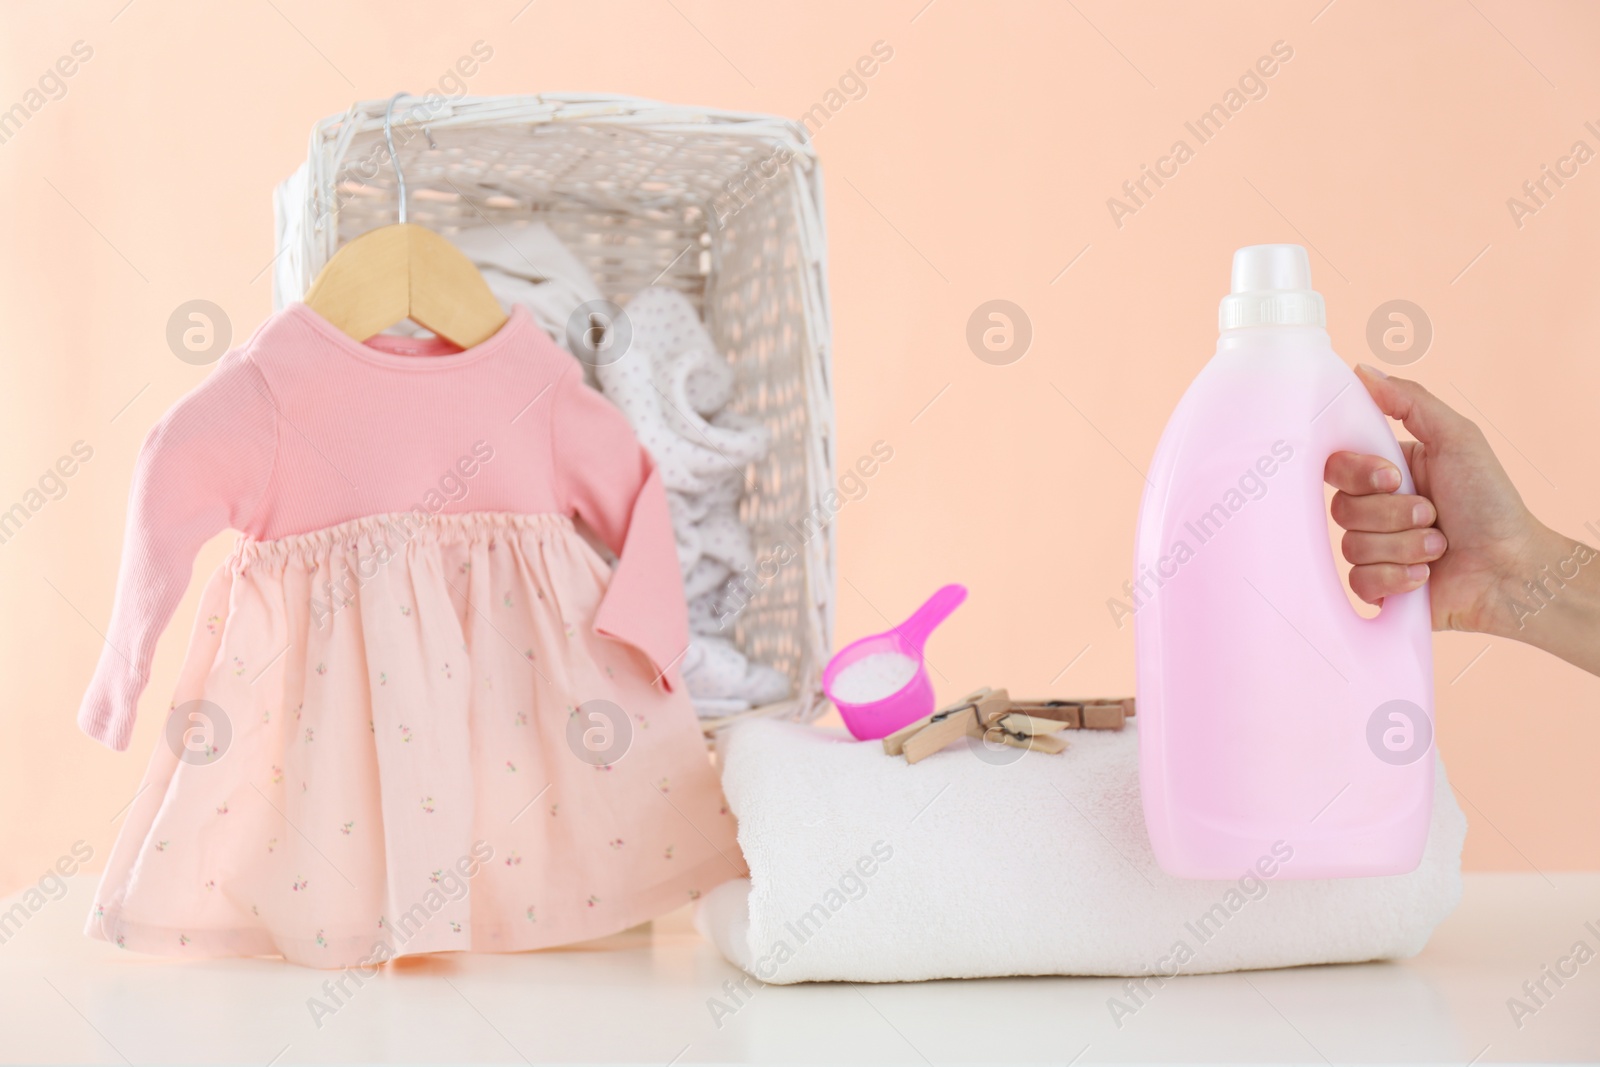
978, 863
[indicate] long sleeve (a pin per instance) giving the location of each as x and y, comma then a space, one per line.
608, 480
204, 468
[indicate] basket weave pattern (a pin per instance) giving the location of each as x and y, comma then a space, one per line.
725, 207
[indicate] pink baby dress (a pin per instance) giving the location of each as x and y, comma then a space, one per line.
419, 711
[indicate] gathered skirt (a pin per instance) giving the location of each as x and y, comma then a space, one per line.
401, 735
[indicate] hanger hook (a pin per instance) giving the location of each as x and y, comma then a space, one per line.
388, 139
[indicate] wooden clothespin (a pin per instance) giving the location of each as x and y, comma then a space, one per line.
969, 717
992, 714
1024, 731
1101, 713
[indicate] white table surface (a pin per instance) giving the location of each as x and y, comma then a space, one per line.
642, 997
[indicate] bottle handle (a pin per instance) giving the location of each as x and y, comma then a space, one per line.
1354, 423
916, 630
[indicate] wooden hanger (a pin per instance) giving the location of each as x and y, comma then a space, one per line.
405, 271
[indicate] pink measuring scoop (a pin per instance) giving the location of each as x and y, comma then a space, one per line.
882, 717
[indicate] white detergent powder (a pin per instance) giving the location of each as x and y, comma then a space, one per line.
873, 677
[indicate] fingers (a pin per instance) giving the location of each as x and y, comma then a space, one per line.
1389, 538
1358, 475
1366, 498
1382, 512
1375, 581
1429, 419
1405, 548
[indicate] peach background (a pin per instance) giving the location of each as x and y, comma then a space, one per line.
977, 166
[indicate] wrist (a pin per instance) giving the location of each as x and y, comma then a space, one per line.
1535, 584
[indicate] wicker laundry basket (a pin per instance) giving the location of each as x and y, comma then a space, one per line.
724, 206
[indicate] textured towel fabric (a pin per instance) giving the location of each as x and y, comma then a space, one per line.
986, 862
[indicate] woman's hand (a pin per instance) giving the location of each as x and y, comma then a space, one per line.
1466, 528
1493, 567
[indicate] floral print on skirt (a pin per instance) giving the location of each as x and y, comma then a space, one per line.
401, 735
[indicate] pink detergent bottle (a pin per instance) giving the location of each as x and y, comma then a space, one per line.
1279, 730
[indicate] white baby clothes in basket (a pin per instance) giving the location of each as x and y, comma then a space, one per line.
675, 394
674, 388
651, 383
728, 679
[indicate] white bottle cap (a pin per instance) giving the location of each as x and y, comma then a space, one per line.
1271, 287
